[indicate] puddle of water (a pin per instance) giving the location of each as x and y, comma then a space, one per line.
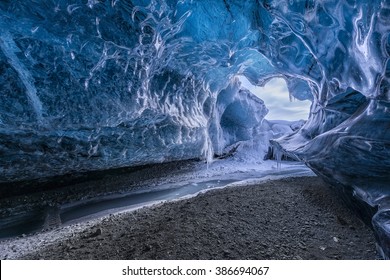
86, 210
21, 224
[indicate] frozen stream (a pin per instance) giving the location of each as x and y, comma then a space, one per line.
185, 186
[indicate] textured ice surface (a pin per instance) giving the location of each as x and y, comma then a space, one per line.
89, 85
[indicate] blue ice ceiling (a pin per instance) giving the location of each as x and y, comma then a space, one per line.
91, 85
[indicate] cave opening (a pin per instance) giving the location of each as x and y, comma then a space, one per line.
277, 98
281, 115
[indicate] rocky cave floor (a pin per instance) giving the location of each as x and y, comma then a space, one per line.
290, 218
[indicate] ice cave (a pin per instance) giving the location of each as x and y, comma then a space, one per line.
91, 85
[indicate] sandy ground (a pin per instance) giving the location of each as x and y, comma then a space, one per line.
291, 218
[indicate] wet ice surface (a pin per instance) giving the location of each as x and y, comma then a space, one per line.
218, 174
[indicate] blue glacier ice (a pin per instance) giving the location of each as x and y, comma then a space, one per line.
99, 84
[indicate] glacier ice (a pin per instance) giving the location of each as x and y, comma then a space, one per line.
90, 85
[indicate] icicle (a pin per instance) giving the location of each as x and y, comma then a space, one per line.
208, 151
277, 154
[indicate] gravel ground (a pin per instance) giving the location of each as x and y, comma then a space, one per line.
291, 218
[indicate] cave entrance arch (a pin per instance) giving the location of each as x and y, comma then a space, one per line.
277, 99
285, 116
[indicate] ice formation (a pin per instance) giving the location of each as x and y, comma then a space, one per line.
89, 85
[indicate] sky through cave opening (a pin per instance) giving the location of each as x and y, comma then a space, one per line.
276, 97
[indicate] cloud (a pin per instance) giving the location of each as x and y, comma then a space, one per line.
276, 97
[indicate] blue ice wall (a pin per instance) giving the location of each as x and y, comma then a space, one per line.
93, 85
89, 85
